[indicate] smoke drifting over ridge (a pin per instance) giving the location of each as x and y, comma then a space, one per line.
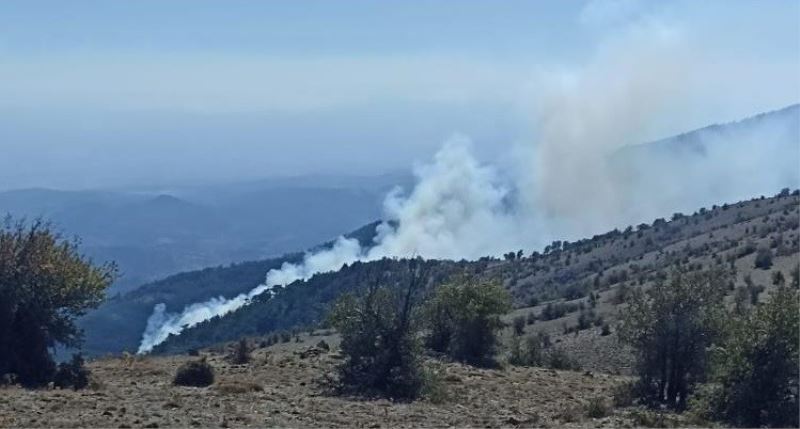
574, 177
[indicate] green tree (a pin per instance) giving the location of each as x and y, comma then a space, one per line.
670, 328
757, 365
463, 319
380, 339
45, 283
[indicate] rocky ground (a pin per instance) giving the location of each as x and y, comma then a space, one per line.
282, 386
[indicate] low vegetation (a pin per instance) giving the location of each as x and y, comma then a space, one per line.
732, 364
756, 366
671, 327
463, 318
198, 373
381, 332
380, 341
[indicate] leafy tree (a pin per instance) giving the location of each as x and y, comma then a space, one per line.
45, 283
670, 328
464, 317
380, 339
757, 366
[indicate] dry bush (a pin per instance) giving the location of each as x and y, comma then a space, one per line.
597, 408
197, 373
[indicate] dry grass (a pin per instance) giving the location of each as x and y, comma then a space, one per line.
285, 391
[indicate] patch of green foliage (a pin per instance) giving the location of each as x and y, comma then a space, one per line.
45, 284
380, 341
463, 318
756, 368
671, 328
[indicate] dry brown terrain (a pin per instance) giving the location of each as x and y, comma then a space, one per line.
281, 388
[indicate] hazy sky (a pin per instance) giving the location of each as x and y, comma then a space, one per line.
108, 93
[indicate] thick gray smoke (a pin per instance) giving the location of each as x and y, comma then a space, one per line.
575, 176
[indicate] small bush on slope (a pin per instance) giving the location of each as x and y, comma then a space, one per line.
197, 373
72, 374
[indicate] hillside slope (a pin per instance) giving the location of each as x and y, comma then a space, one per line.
563, 273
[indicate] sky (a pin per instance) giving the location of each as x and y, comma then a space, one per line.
98, 94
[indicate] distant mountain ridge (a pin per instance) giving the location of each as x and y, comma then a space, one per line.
152, 234
787, 118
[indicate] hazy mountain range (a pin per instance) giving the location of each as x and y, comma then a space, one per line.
153, 233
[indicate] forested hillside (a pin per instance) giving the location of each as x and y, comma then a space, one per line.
117, 325
557, 284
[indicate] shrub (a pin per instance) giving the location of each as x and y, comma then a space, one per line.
574, 291
585, 320
464, 318
322, 345
527, 352
621, 294
558, 358
72, 374
45, 284
597, 408
605, 330
763, 259
241, 353
519, 325
624, 394
671, 328
757, 368
434, 387
554, 311
380, 340
197, 373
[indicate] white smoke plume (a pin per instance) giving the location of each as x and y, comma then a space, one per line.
569, 179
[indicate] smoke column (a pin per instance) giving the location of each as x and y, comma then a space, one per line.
576, 174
